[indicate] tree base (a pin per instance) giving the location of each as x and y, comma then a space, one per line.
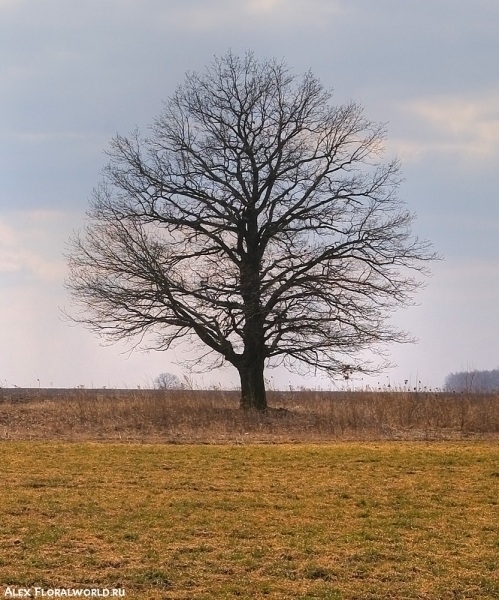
253, 393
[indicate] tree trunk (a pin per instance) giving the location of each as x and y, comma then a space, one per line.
253, 394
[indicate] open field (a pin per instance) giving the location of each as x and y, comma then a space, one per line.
345, 521
213, 416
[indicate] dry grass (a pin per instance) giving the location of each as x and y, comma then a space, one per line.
214, 417
350, 521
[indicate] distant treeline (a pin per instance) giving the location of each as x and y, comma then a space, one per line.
472, 381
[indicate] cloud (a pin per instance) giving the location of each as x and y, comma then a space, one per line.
463, 126
31, 245
197, 15
220, 14
9, 3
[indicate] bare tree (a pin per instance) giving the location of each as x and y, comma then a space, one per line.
257, 219
167, 381
472, 381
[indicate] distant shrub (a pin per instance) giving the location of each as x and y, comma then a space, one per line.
472, 381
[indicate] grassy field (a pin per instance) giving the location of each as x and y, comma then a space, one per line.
213, 416
340, 521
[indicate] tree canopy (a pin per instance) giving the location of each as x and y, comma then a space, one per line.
256, 220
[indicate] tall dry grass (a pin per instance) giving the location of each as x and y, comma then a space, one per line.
213, 416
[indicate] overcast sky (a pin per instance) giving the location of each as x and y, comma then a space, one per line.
73, 74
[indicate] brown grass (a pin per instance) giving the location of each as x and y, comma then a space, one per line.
213, 416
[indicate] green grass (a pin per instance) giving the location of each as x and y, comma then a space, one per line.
343, 521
